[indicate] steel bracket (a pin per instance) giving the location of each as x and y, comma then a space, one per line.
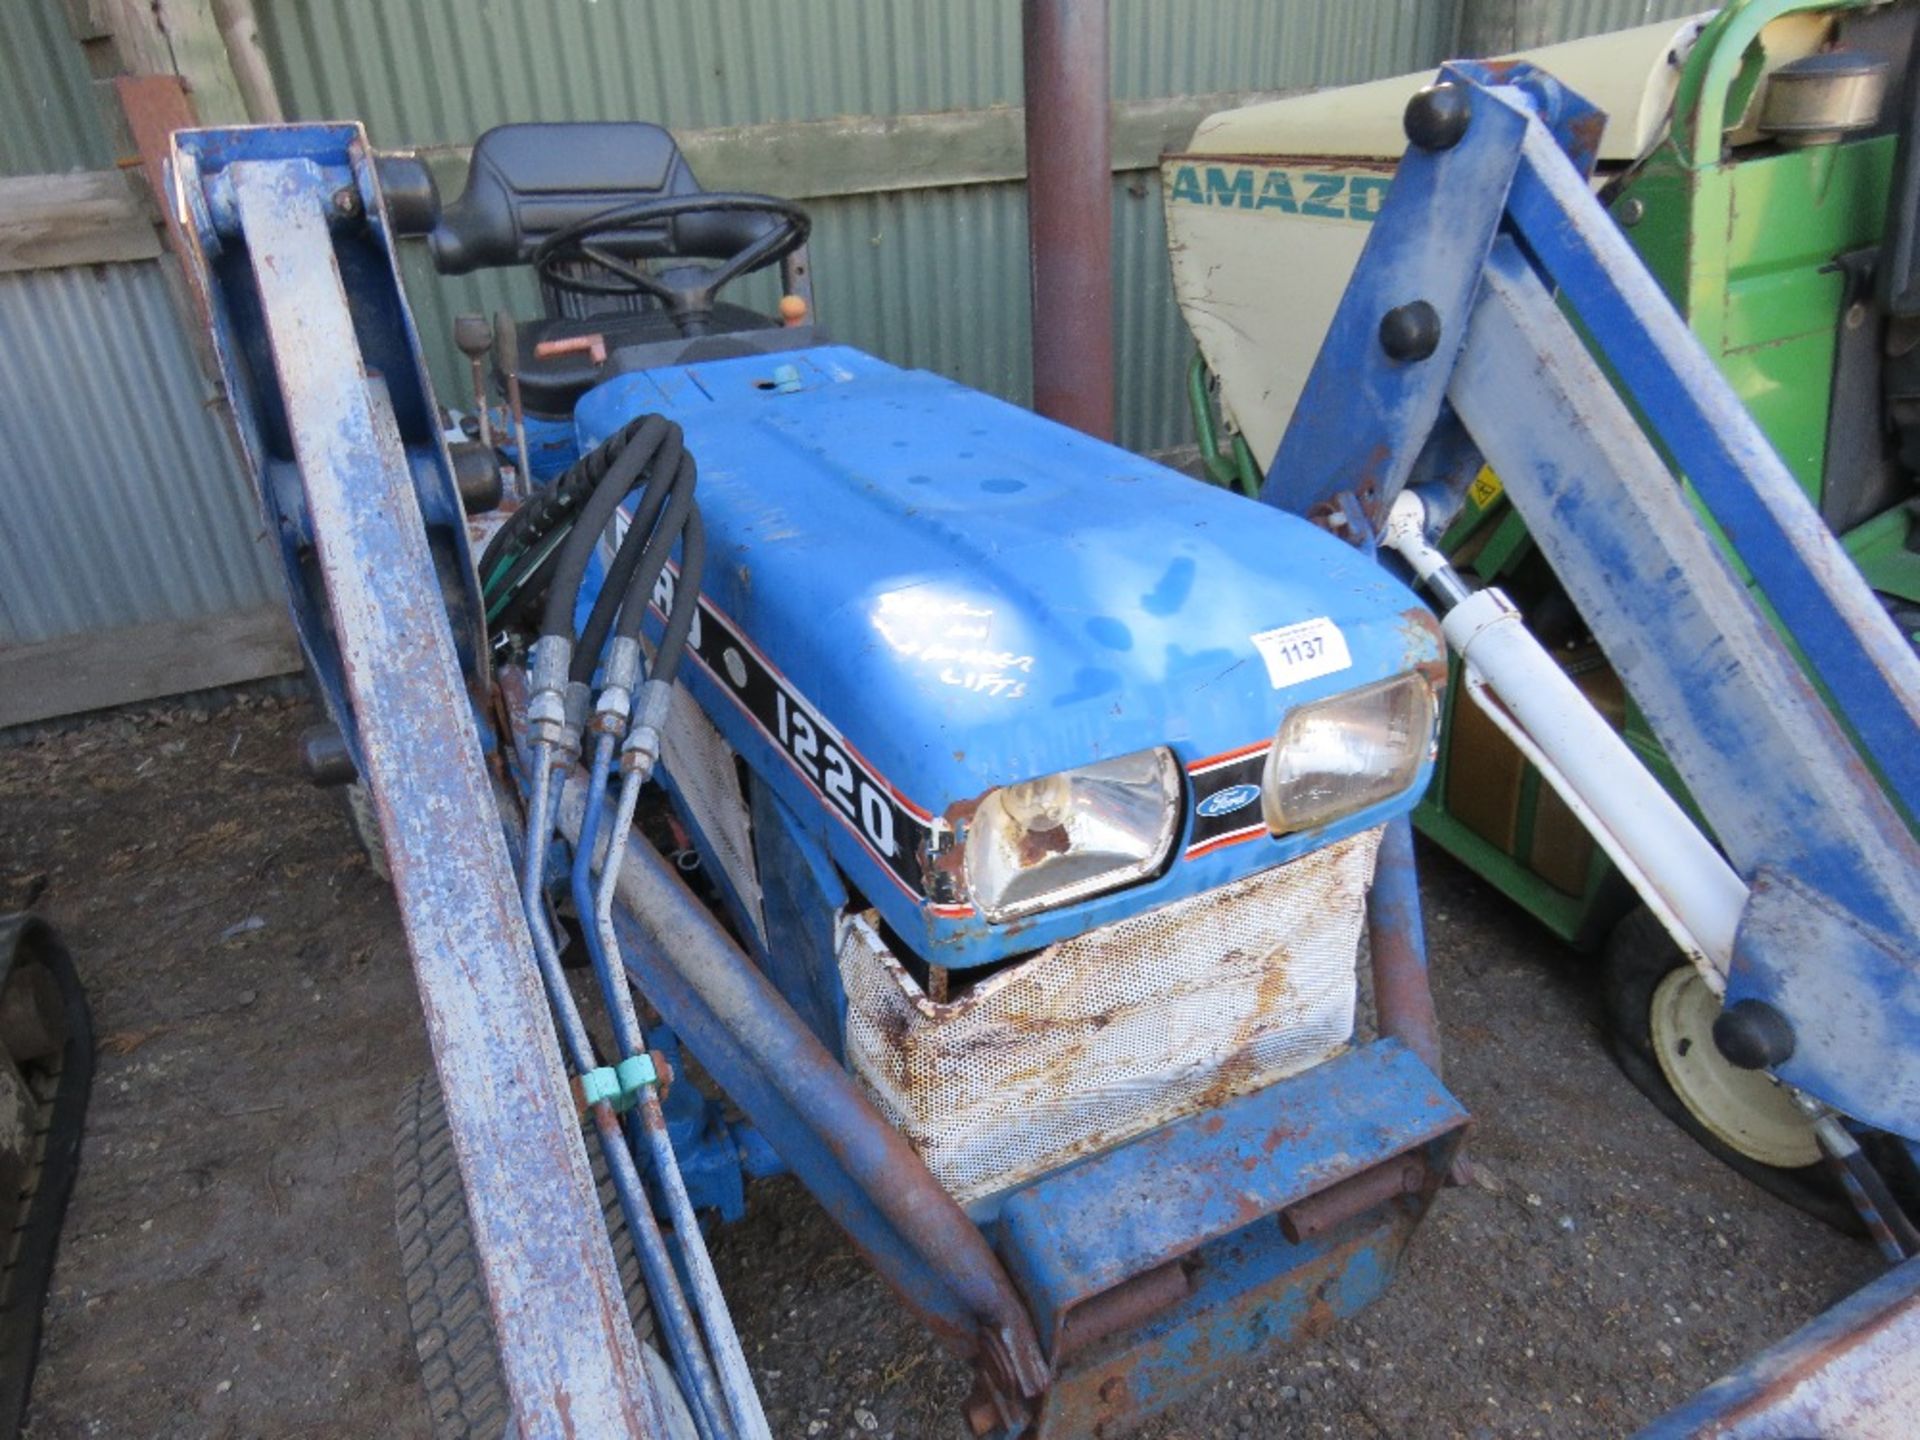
1853, 1000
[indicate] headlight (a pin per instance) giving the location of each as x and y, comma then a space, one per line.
1067, 836
1347, 752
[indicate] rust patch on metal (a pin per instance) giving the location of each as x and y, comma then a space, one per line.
1369, 1190
1088, 1042
1426, 645
1124, 1307
1125, 1382
1587, 130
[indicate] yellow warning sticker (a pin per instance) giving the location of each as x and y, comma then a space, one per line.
1486, 488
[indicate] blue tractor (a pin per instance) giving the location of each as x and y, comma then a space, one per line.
979, 822
1029, 795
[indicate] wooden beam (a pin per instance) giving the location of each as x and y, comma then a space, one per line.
93, 671
874, 154
155, 106
86, 218
803, 160
247, 54
172, 37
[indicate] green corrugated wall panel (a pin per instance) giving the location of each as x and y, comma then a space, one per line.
933, 278
48, 118
1570, 19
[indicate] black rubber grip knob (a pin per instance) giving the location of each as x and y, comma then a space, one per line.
1753, 1035
1410, 331
1438, 116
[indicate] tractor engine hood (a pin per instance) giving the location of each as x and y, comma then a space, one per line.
916, 593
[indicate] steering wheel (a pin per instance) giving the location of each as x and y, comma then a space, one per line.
687, 292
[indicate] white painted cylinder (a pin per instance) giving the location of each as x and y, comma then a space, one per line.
1677, 870
1684, 880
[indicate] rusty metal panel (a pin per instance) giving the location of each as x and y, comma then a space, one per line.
49, 120
1139, 1022
124, 503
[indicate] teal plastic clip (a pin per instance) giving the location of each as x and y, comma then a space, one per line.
601, 1085
618, 1085
636, 1074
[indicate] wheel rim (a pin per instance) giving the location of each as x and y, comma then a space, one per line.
1743, 1109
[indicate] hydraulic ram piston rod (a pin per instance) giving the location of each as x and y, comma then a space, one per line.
1685, 881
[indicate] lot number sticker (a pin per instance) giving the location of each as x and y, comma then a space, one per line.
1302, 652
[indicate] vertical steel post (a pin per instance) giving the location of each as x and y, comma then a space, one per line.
1070, 211
1402, 997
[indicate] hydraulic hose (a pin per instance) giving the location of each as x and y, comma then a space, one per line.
743, 1401
573, 1033
664, 478
662, 1279
627, 1036
514, 581
663, 1282
686, 595
602, 944
720, 1384
520, 581
553, 504
557, 618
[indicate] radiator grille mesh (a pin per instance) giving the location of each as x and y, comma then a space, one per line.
1099, 1038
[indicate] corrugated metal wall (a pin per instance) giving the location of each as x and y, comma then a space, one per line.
121, 499
931, 278
1570, 19
123, 504
439, 71
48, 119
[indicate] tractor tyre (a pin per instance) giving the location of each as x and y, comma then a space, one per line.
447, 1299
1658, 1011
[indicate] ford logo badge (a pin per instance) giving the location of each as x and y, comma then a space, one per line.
1225, 802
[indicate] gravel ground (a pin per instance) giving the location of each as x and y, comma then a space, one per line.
229, 1267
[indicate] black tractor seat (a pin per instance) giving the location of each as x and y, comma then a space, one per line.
623, 190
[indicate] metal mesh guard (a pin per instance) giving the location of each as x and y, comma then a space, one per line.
1099, 1038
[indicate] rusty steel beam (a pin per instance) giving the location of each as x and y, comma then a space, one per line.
1402, 996
1070, 211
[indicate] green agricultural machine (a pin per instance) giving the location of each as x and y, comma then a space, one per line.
1764, 161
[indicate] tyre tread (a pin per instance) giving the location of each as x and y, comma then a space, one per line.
446, 1297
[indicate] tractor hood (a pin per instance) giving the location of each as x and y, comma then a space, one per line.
916, 593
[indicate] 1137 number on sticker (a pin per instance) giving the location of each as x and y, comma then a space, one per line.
1306, 651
